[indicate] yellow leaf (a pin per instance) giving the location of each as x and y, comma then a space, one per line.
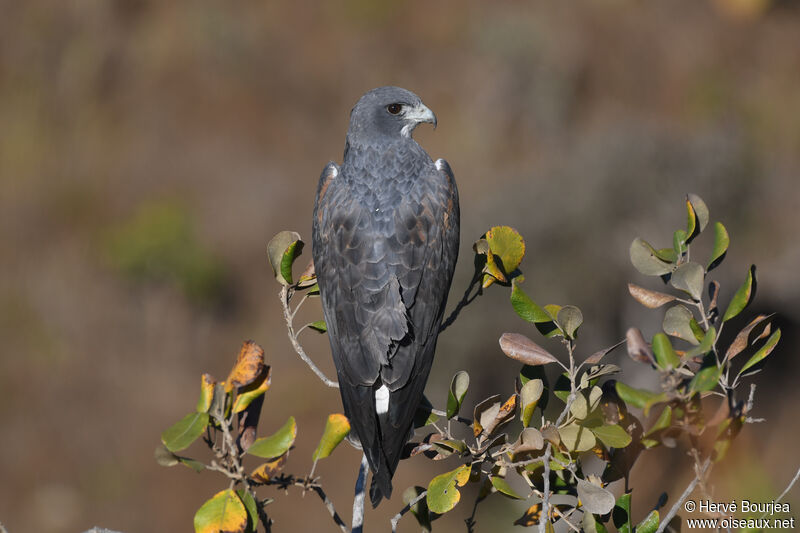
250, 392
263, 473
224, 512
207, 384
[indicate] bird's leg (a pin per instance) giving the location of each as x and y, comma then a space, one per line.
358, 500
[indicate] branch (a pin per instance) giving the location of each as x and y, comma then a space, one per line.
358, 499
396, 518
288, 316
331, 509
785, 491
672, 512
465, 301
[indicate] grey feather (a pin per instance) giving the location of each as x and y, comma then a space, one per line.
385, 242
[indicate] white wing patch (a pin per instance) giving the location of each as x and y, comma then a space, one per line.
382, 400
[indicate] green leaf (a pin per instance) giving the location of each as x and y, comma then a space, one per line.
184, 433
763, 352
706, 345
666, 358
319, 325
721, 243
700, 209
443, 493
577, 438
642, 399
645, 260
197, 466
251, 507
276, 444
621, 515
612, 435
569, 318
526, 308
164, 457
706, 379
594, 499
224, 512
689, 278
206, 393
744, 295
662, 422
649, 524
529, 396
458, 389
590, 525
678, 323
678, 245
504, 488
336, 429
282, 250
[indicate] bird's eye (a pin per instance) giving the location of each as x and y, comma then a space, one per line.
394, 108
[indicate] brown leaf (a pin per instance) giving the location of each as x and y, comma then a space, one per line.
740, 342
713, 293
248, 367
638, 349
308, 277
598, 355
524, 350
530, 439
490, 414
648, 298
550, 433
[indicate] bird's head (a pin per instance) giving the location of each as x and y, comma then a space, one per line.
388, 112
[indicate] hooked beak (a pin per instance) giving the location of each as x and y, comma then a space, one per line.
420, 113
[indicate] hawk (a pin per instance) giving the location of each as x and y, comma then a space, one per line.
385, 241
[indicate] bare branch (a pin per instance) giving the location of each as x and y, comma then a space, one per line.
700, 474
288, 316
785, 491
465, 301
358, 499
396, 518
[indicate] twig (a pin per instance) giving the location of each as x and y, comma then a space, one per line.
288, 316
549, 450
396, 518
672, 512
566, 519
358, 499
465, 301
461, 419
331, 509
785, 491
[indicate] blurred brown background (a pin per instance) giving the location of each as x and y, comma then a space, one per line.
149, 150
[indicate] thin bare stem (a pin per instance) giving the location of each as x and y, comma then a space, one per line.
288, 316
549, 450
465, 301
700, 473
358, 500
331, 509
785, 491
396, 518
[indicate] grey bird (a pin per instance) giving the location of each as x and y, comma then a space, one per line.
385, 242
